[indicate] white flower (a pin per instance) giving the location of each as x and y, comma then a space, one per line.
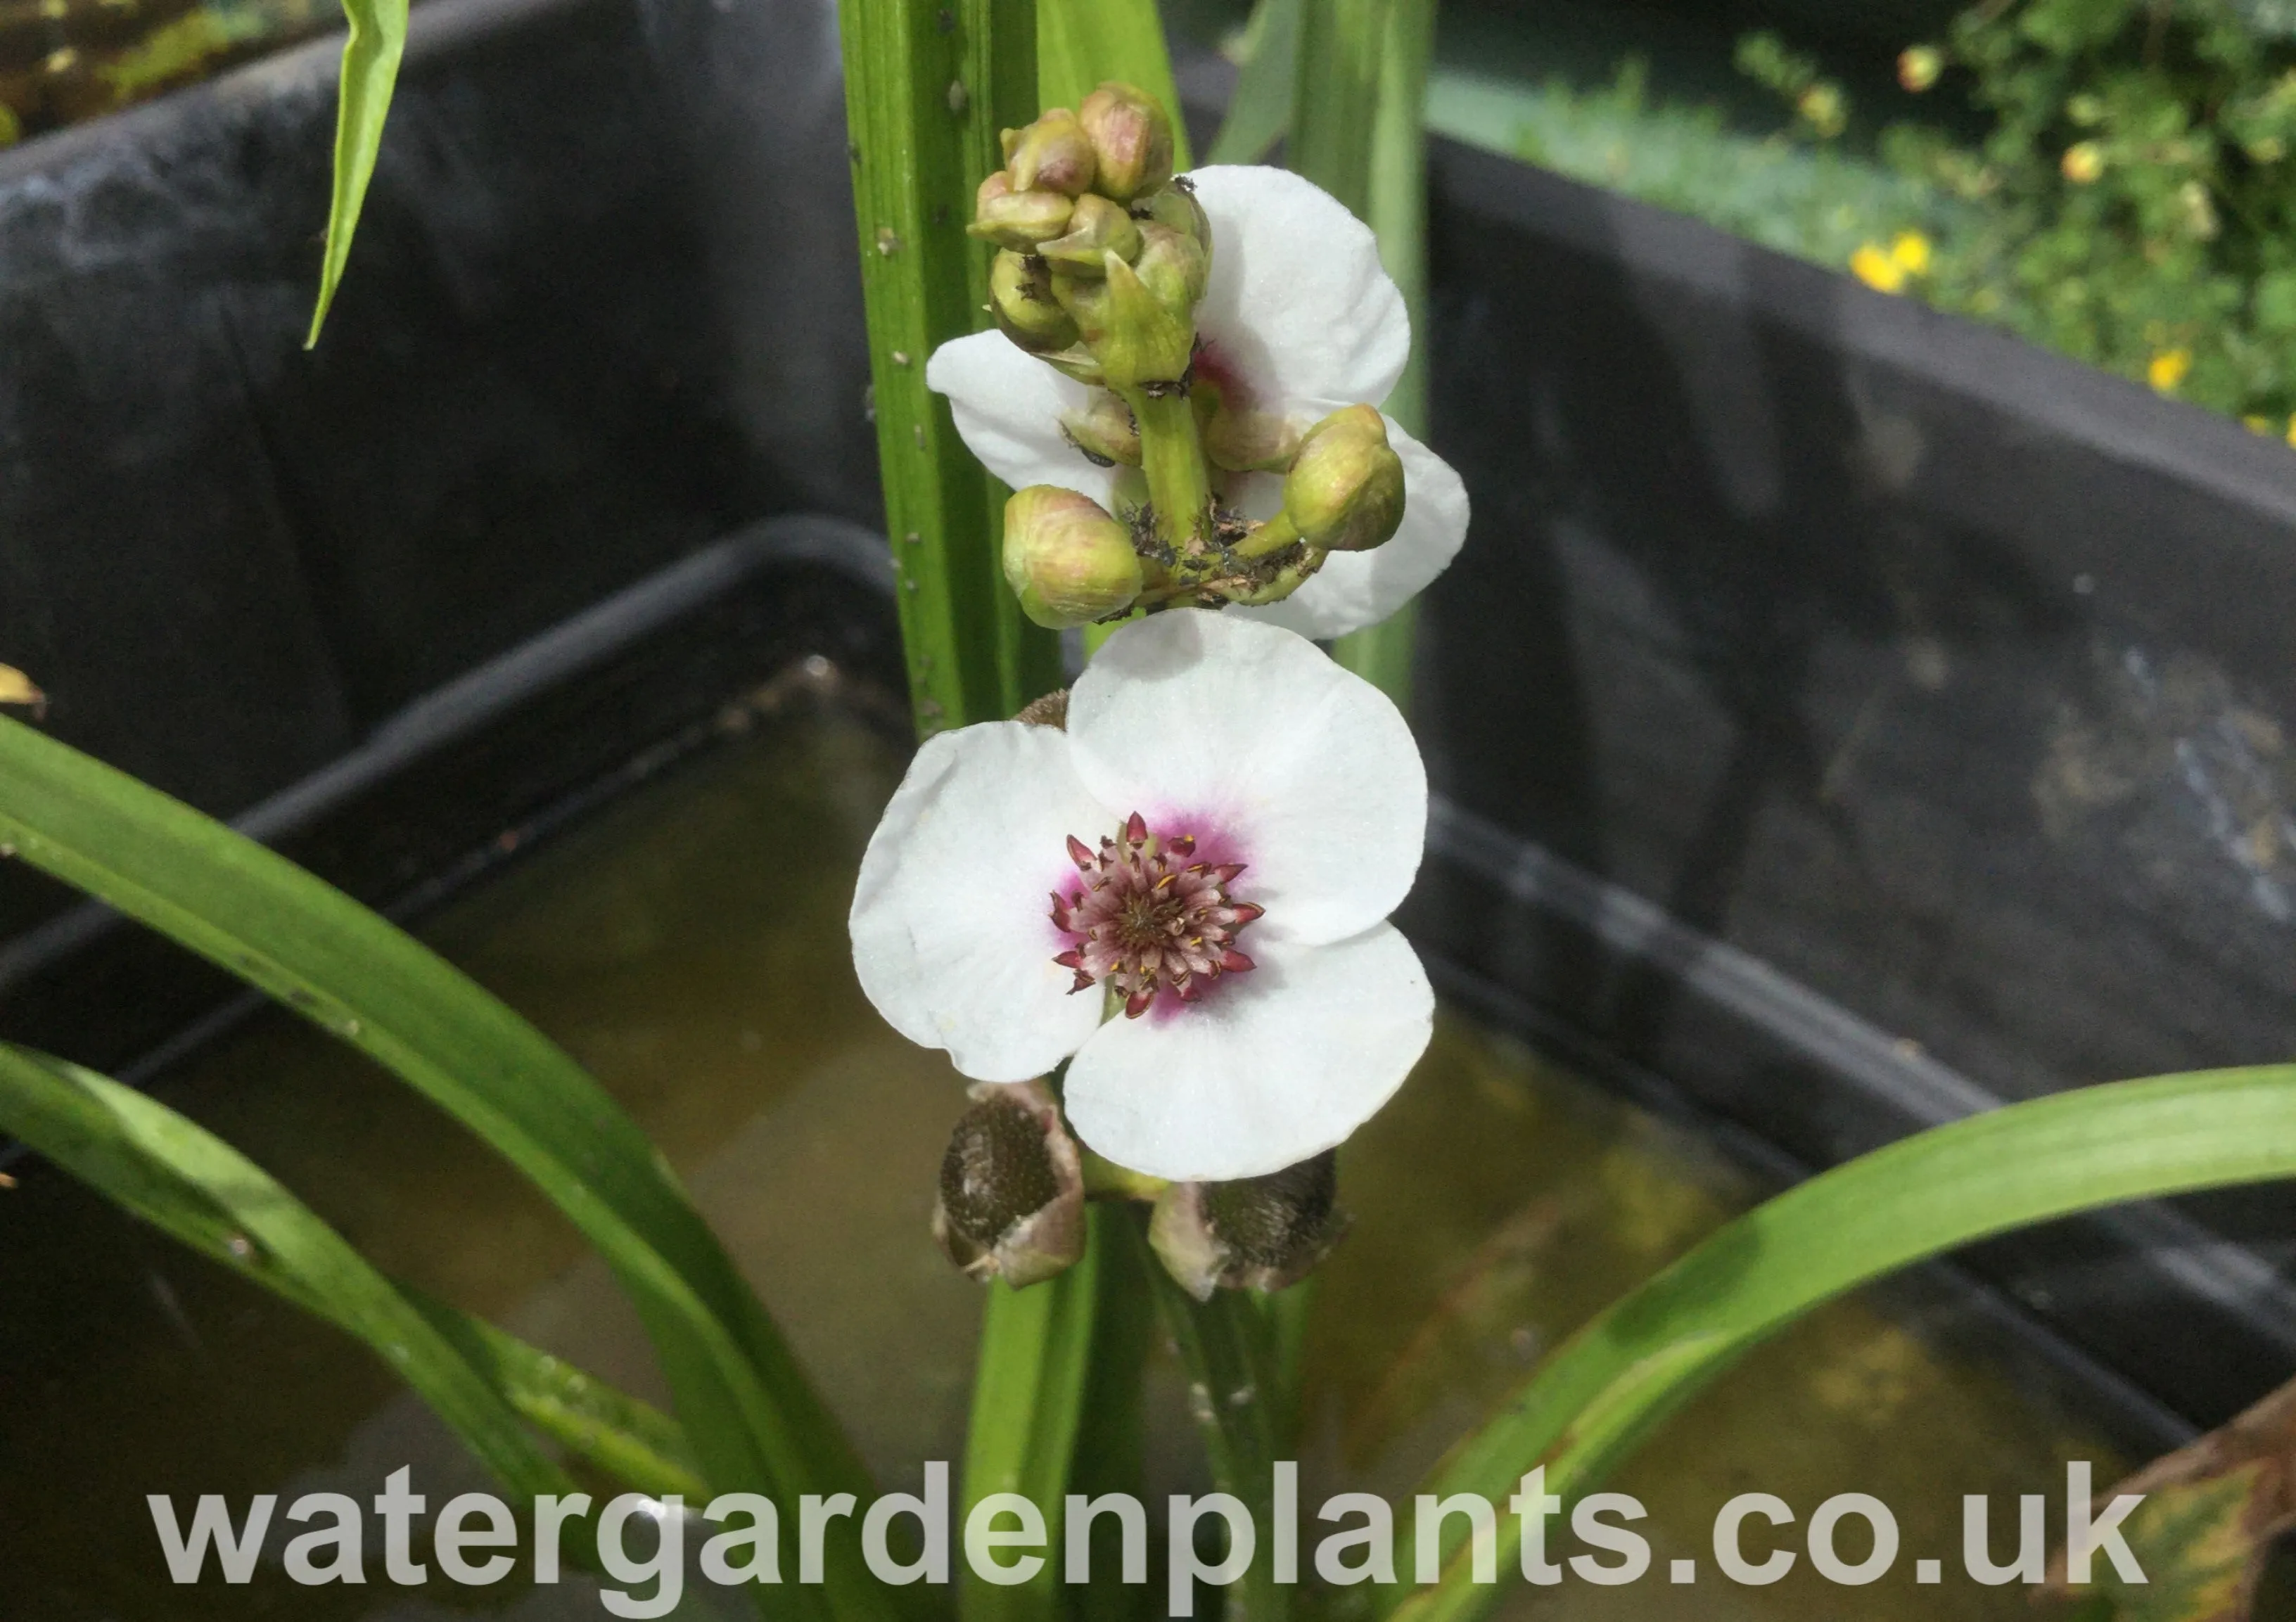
1224, 827
1299, 318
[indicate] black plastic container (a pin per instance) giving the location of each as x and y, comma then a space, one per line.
1843, 719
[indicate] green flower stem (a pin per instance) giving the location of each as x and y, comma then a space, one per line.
1028, 1392
1238, 1392
1270, 539
1106, 1180
1179, 479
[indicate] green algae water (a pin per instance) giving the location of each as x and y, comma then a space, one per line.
688, 944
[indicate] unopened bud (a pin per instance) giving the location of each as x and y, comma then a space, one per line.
1919, 66
1143, 340
1012, 1187
1066, 559
1085, 299
1020, 295
1174, 208
1018, 219
1345, 490
1104, 431
1097, 227
1255, 1233
1053, 153
1239, 436
1131, 137
1174, 266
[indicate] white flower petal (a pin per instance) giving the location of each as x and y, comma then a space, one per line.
1355, 589
952, 932
1008, 405
1250, 738
1298, 304
1272, 1067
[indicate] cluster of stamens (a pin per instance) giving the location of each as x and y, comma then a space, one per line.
1152, 919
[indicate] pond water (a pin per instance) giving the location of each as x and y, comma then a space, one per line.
688, 945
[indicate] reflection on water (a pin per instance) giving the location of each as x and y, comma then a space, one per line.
688, 945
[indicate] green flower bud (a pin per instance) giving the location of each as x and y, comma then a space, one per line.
1012, 1187
1256, 1233
1143, 341
1237, 436
1174, 208
1132, 137
1066, 559
1018, 219
1104, 431
1053, 154
1020, 295
1097, 227
1086, 299
1345, 490
1174, 266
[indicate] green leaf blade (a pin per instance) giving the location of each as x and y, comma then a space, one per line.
1630, 1368
199, 1190
755, 1421
370, 73
924, 104
1083, 44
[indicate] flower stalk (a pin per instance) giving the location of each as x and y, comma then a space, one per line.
1179, 476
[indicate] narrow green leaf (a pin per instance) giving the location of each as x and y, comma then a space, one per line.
1335, 99
927, 87
1394, 188
1028, 1396
371, 56
1082, 44
754, 1421
1260, 110
632, 1441
1622, 1374
191, 1185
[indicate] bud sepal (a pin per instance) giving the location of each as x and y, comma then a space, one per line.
1011, 1203
1264, 1233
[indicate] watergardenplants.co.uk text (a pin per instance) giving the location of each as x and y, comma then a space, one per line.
475, 1539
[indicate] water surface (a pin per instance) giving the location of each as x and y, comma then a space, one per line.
688, 945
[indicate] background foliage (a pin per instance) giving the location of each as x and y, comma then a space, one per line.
2129, 199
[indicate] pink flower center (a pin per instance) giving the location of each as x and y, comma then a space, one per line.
1149, 918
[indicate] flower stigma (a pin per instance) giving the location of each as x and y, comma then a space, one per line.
1150, 918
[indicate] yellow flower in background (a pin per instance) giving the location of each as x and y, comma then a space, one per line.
1873, 264
2168, 369
1886, 269
2292, 430
2084, 162
2259, 425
